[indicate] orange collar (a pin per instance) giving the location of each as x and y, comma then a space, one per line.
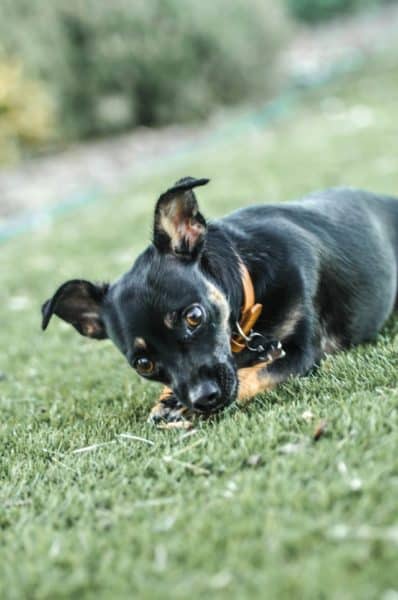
250, 312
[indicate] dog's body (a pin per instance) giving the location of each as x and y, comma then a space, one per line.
324, 268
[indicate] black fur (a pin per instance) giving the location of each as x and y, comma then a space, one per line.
324, 268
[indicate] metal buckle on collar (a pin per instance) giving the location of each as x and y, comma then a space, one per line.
255, 342
248, 339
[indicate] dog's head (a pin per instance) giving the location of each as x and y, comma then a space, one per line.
165, 315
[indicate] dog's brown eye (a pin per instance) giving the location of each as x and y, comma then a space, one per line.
144, 366
194, 316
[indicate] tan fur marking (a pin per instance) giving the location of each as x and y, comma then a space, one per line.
140, 343
89, 329
162, 411
169, 320
289, 323
179, 226
329, 344
166, 393
254, 380
218, 298
168, 224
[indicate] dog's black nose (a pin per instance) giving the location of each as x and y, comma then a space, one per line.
205, 396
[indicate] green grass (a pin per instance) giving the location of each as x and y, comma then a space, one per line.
311, 520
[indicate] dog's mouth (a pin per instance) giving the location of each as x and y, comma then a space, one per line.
212, 409
213, 406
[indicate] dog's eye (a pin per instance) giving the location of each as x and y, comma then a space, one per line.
193, 316
144, 366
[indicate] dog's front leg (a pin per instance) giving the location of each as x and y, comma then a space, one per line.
168, 409
254, 380
258, 378
262, 377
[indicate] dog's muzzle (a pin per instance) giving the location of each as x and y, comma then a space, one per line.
214, 392
205, 396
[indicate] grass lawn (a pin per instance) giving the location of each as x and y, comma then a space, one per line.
302, 519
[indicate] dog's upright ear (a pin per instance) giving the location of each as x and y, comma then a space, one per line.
179, 227
79, 303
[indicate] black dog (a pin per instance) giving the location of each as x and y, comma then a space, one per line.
324, 269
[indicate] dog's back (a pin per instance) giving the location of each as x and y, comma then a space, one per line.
351, 235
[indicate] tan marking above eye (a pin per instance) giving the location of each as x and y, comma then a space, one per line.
169, 320
140, 343
217, 297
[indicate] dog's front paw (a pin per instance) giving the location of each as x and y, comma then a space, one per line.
170, 413
274, 352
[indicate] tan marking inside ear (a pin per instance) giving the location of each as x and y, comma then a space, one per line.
191, 231
169, 225
254, 380
140, 343
178, 225
288, 325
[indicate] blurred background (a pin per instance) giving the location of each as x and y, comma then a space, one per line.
92, 92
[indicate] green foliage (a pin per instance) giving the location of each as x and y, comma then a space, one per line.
309, 520
118, 64
23, 125
319, 10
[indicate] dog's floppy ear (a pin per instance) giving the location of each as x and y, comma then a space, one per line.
179, 227
78, 302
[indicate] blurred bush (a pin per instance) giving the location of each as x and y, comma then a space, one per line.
115, 65
26, 112
319, 10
